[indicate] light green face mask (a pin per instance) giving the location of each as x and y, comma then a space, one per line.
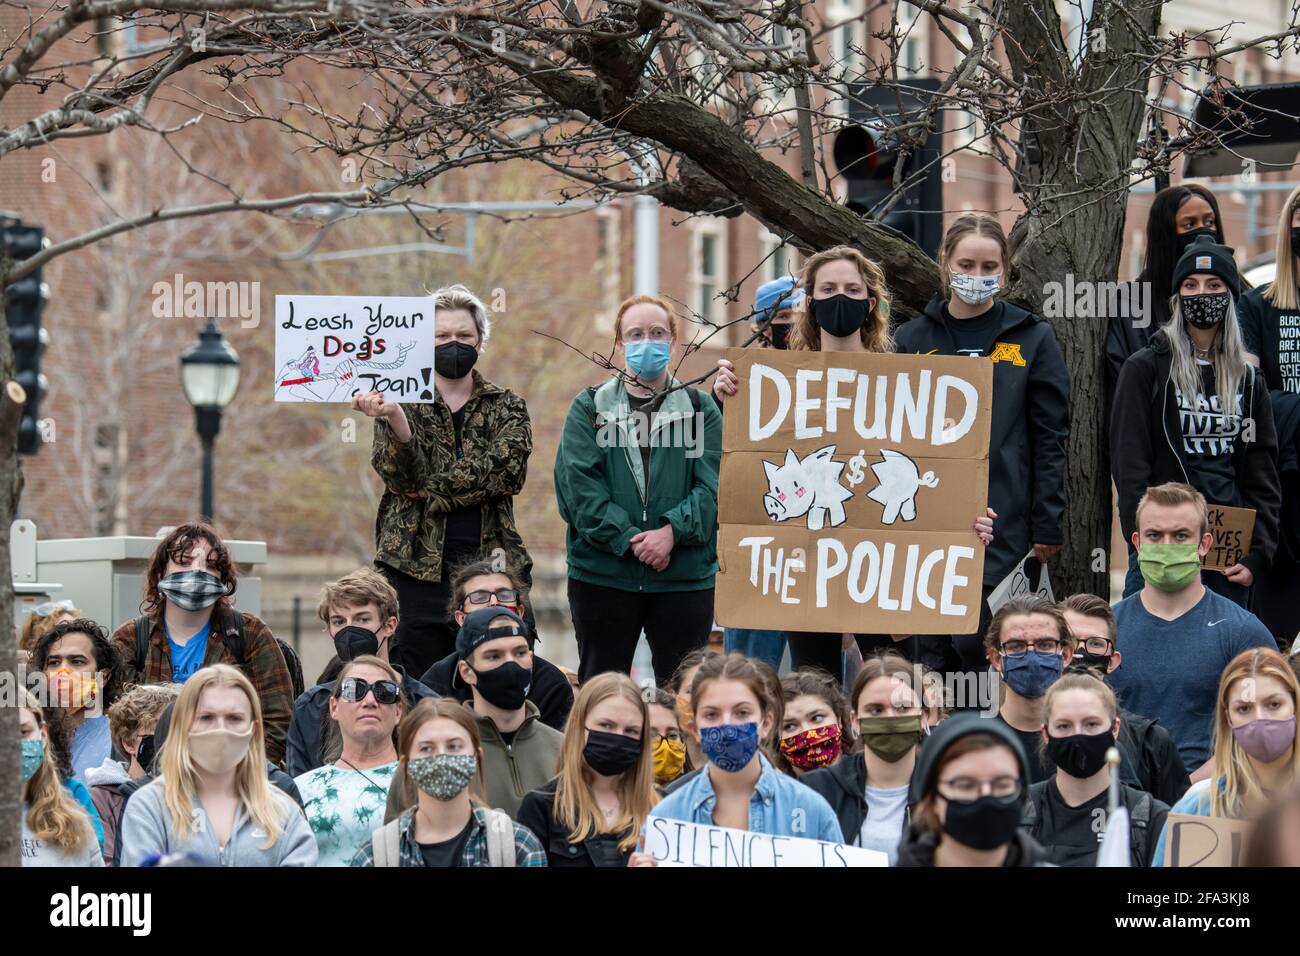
1169, 567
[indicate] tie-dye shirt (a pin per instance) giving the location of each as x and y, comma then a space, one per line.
344, 807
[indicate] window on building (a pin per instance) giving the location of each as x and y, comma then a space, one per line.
609, 266
709, 271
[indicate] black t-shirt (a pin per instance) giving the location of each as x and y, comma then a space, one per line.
1209, 438
1040, 767
975, 336
464, 529
508, 737
1072, 835
1257, 315
650, 406
448, 852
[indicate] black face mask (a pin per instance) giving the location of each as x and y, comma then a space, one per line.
506, 686
144, 753
1099, 664
1185, 239
1080, 755
454, 359
983, 824
1206, 310
611, 754
779, 332
839, 315
352, 641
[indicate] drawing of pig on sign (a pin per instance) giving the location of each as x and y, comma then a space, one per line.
899, 482
806, 486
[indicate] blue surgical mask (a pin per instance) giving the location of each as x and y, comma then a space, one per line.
1031, 675
730, 747
33, 757
646, 359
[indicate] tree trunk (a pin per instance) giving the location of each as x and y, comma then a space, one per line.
11, 479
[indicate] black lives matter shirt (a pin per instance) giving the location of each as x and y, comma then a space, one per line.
1259, 318
1209, 438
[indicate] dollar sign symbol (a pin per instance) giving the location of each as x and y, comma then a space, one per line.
857, 464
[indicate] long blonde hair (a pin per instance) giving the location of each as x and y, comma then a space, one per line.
804, 333
1284, 290
251, 784
1241, 791
1228, 355
53, 816
575, 808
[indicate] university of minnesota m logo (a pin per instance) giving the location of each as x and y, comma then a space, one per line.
1007, 352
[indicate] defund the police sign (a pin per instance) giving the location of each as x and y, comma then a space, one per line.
849, 490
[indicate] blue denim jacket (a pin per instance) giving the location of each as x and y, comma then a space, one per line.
779, 806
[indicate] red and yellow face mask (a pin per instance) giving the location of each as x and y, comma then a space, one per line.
819, 747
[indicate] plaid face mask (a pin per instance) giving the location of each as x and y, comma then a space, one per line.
192, 590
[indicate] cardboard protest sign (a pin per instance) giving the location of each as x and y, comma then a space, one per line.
1232, 528
1204, 841
849, 487
1029, 576
331, 347
678, 843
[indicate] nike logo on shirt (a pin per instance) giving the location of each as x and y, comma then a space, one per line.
1219, 621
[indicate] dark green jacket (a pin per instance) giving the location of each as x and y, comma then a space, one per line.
604, 497
496, 440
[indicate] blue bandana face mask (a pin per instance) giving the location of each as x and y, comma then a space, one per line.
646, 359
33, 757
1031, 675
730, 747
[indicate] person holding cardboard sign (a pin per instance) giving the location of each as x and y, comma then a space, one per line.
734, 712
1066, 813
641, 445
846, 309
1255, 754
1190, 407
1176, 635
1270, 329
1031, 400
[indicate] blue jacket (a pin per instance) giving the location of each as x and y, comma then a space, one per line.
77, 790
779, 806
1196, 803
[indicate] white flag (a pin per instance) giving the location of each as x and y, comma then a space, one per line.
1115, 844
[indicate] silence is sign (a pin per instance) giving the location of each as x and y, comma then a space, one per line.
849, 488
331, 347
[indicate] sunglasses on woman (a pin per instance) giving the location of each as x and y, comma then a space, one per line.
354, 690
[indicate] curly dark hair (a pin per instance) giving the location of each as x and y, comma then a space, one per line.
107, 659
174, 548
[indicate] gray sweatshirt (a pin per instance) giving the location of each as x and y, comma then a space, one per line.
147, 831
38, 853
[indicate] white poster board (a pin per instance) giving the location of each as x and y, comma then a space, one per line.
678, 843
1021, 581
331, 347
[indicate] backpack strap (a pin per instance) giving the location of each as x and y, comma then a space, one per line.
232, 634
690, 390
500, 839
386, 842
141, 645
1140, 813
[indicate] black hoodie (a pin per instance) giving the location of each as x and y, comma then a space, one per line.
1031, 419
550, 689
844, 785
1145, 434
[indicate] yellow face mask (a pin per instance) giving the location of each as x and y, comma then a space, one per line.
670, 758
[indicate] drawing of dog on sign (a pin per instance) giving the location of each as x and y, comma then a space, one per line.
806, 486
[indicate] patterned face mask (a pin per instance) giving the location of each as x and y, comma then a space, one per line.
1206, 310
192, 590
730, 747
814, 748
442, 776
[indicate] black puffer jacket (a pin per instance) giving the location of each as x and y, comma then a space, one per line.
1031, 419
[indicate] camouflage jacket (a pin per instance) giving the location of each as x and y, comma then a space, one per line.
496, 441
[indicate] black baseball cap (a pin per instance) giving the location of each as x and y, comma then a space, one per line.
488, 624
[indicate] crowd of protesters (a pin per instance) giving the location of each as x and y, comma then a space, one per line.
437, 736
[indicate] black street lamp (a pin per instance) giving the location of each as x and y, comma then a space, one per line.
210, 376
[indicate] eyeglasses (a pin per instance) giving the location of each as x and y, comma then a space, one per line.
504, 596
673, 736
1101, 646
1046, 645
657, 334
49, 607
966, 789
354, 689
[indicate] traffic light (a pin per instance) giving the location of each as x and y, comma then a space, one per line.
24, 302
866, 152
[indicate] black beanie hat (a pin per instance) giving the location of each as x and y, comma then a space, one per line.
1205, 255
947, 734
